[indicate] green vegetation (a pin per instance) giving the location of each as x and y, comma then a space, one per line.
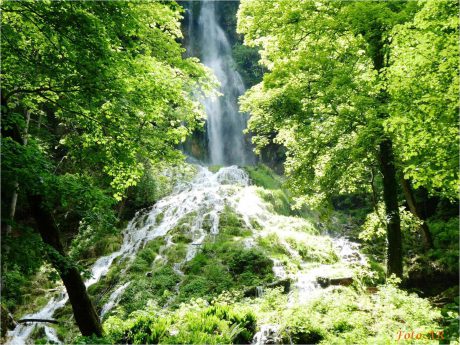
278, 200
230, 224
93, 96
272, 190
343, 316
358, 102
314, 249
263, 176
446, 243
354, 104
224, 265
194, 323
142, 289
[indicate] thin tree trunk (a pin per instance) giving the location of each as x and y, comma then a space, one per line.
387, 168
390, 197
14, 200
428, 239
14, 197
121, 207
85, 315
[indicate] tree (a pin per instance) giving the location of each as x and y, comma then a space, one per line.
110, 82
423, 81
327, 97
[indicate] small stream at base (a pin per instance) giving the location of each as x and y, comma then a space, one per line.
204, 198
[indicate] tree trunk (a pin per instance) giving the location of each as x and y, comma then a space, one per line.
387, 168
85, 315
83, 309
390, 197
14, 197
428, 239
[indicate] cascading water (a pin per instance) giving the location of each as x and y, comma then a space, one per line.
205, 197
225, 125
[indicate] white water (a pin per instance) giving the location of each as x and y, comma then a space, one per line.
305, 286
204, 197
114, 298
225, 125
268, 334
202, 200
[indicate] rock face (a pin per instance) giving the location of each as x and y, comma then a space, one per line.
325, 281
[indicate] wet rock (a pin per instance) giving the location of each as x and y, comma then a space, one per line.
255, 290
7, 321
352, 257
372, 290
268, 334
284, 283
251, 292
325, 281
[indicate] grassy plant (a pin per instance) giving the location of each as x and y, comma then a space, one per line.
314, 249
263, 176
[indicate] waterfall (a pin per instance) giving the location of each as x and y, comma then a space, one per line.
226, 141
205, 197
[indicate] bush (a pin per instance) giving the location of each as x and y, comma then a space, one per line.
223, 266
300, 329
194, 323
22, 257
251, 261
446, 243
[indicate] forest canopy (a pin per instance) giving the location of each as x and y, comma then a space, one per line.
358, 92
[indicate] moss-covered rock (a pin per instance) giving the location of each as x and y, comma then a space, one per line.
156, 287
314, 249
263, 176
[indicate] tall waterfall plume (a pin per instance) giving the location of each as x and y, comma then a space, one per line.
227, 144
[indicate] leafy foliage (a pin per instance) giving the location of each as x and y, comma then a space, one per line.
342, 316
117, 84
423, 81
194, 323
320, 93
104, 94
338, 98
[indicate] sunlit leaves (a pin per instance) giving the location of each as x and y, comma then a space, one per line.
114, 76
423, 82
320, 98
